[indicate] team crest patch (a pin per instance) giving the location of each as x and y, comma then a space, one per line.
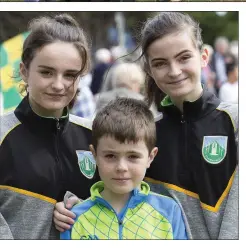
214, 148
87, 163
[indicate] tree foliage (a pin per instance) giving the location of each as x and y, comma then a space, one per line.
97, 23
213, 25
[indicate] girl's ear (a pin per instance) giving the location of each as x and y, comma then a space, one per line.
204, 57
23, 72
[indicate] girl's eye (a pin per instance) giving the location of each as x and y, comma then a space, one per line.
184, 58
70, 76
46, 73
159, 64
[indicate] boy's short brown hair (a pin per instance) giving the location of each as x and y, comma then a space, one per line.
125, 119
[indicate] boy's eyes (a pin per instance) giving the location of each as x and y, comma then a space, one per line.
133, 156
109, 156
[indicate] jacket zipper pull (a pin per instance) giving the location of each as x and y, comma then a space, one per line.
58, 124
182, 119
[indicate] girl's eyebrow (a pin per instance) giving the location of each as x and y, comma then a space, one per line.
51, 68
46, 67
178, 54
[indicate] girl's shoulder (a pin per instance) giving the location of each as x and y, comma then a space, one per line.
80, 121
8, 122
231, 109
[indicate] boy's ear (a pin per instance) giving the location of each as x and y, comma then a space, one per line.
152, 155
92, 150
23, 72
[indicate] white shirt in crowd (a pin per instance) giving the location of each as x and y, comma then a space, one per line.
229, 92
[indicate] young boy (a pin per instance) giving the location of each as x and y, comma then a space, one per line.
121, 206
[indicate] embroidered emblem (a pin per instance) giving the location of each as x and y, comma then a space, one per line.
87, 163
214, 148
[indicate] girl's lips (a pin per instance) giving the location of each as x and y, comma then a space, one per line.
177, 82
55, 95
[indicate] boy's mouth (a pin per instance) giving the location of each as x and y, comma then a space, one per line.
121, 179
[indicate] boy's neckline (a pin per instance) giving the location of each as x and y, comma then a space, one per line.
118, 204
97, 189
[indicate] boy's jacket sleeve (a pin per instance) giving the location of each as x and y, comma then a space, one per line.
67, 234
179, 229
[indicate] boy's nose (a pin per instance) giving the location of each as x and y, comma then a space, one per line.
121, 165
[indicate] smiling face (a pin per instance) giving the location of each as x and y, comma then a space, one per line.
51, 78
122, 166
175, 65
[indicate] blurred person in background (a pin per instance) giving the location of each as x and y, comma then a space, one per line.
118, 56
218, 64
234, 48
83, 105
127, 81
103, 62
229, 90
208, 75
117, 52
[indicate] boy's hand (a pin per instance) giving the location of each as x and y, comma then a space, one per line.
63, 217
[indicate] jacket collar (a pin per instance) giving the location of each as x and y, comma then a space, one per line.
138, 194
26, 115
192, 110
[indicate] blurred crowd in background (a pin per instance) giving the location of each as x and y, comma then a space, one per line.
221, 75
116, 69
115, 74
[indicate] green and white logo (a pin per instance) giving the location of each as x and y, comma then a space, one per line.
214, 148
87, 163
